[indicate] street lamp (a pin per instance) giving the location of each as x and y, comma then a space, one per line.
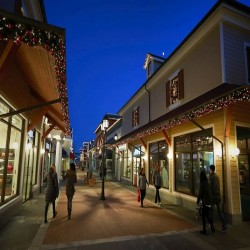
104, 126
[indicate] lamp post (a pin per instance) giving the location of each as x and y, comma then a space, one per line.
104, 126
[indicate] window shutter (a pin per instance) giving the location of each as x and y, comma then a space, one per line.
167, 93
181, 84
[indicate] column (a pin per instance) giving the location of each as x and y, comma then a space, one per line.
58, 161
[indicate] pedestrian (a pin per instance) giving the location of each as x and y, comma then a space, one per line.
52, 191
142, 184
70, 186
205, 197
157, 184
216, 198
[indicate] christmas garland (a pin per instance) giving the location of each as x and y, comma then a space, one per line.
241, 95
52, 42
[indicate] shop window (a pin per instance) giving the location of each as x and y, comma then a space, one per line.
126, 164
175, 88
135, 117
158, 156
4, 109
138, 163
243, 143
10, 141
193, 152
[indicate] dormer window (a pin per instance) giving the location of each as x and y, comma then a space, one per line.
152, 63
135, 117
175, 88
149, 69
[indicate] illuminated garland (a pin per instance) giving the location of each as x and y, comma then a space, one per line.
241, 95
52, 42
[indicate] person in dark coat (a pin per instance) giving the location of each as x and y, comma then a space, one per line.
205, 197
52, 191
142, 185
70, 186
216, 198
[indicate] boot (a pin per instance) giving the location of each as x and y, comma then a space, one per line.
69, 213
45, 213
204, 231
54, 210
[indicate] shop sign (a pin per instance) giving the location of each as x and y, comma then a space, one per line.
122, 147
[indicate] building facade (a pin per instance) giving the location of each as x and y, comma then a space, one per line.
34, 115
193, 111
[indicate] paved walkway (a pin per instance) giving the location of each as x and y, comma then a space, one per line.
116, 223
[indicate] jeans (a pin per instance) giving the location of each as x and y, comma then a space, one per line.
143, 194
157, 194
217, 203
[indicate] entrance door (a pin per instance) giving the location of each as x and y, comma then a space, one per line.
243, 143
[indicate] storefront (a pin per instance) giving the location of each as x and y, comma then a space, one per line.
11, 139
33, 105
243, 144
193, 152
158, 156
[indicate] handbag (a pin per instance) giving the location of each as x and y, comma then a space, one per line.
138, 195
198, 211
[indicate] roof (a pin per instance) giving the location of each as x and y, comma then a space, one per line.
232, 3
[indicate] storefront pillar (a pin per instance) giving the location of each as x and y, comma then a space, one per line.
58, 160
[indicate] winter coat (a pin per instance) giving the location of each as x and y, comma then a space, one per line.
157, 179
142, 182
204, 193
71, 180
52, 190
214, 187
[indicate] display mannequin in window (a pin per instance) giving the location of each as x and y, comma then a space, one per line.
157, 183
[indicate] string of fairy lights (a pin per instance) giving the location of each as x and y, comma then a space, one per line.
52, 42
240, 95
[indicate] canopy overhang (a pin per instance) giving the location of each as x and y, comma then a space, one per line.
33, 69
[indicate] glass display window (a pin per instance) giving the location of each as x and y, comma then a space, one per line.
3, 158
158, 156
10, 141
4, 109
193, 152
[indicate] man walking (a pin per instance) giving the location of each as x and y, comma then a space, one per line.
216, 199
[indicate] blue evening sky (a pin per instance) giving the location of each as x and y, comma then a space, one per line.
106, 46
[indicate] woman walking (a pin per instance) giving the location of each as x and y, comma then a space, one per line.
70, 186
205, 197
142, 184
52, 191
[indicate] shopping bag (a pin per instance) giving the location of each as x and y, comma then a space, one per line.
138, 195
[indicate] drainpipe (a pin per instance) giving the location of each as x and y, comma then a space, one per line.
149, 108
222, 159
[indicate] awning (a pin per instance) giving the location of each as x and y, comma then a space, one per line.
33, 69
